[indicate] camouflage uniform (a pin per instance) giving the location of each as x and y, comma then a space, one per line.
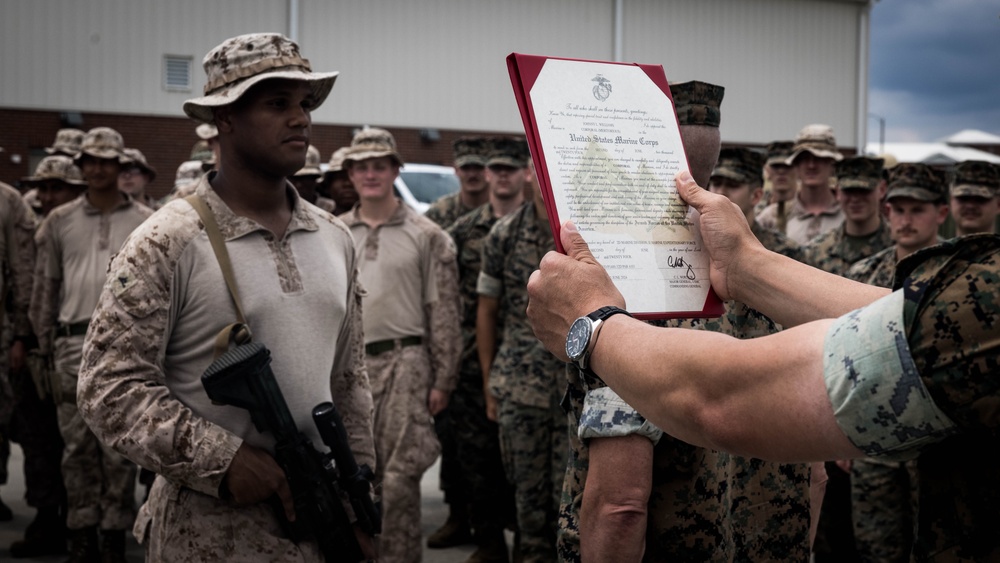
447, 210
525, 378
776, 241
835, 251
153, 336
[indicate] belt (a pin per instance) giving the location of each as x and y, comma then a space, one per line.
376, 348
75, 329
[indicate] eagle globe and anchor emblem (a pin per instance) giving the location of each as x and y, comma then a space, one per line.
603, 87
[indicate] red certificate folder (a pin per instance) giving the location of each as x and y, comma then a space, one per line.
524, 73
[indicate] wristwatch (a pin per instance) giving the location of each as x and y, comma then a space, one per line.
582, 336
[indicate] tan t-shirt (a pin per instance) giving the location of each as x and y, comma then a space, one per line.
803, 226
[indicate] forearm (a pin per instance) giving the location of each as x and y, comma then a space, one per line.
44, 309
486, 336
615, 496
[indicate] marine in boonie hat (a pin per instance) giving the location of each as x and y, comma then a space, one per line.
859, 172
139, 161
508, 151
818, 140
189, 171
917, 181
67, 142
698, 103
336, 163
778, 153
56, 167
243, 61
372, 142
976, 178
102, 142
741, 165
470, 151
311, 167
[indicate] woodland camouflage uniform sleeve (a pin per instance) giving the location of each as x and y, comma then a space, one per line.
444, 315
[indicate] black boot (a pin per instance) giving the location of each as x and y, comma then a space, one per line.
113, 546
45, 535
455, 530
6, 514
83, 546
492, 547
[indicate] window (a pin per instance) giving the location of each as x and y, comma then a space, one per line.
177, 73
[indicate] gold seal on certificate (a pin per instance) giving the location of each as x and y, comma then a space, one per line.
606, 146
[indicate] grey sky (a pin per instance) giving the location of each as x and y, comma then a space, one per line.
935, 68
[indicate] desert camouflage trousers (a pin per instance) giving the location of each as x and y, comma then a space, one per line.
405, 445
884, 507
100, 482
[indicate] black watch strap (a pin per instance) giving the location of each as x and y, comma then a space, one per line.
606, 312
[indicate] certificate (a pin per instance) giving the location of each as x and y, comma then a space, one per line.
606, 147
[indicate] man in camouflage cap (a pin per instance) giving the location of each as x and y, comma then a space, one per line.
815, 209
470, 166
136, 177
974, 202
219, 491
306, 181
67, 142
336, 184
780, 184
406, 264
209, 133
56, 181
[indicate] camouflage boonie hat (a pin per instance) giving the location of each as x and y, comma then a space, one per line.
742, 165
206, 131
975, 178
56, 167
818, 140
778, 153
373, 142
102, 142
138, 159
859, 172
67, 142
189, 171
311, 167
697, 103
470, 150
240, 62
337, 160
916, 181
508, 151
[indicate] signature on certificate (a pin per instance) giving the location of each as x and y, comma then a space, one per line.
679, 262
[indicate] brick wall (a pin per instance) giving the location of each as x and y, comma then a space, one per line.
167, 141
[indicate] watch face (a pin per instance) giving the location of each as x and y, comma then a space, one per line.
578, 337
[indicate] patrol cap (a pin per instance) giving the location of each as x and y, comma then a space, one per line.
102, 142
916, 181
311, 167
337, 160
818, 140
206, 131
508, 151
189, 171
859, 172
470, 150
243, 61
975, 178
697, 103
778, 153
67, 142
56, 167
741, 165
372, 142
139, 160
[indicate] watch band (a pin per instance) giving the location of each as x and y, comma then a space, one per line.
604, 313
598, 317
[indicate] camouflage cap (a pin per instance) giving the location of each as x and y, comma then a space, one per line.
56, 167
337, 160
189, 171
139, 159
102, 142
240, 62
206, 131
778, 152
507, 151
740, 165
311, 167
201, 151
818, 140
917, 181
698, 103
470, 150
372, 142
67, 142
975, 178
859, 172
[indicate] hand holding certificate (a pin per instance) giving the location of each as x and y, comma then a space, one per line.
606, 146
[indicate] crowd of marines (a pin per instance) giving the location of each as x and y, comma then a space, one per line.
112, 301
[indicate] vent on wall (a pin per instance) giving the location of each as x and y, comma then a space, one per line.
177, 73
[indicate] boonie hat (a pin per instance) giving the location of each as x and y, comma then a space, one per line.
859, 172
56, 167
975, 178
372, 142
336, 163
102, 142
311, 167
778, 153
240, 62
508, 151
697, 103
137, 158
740, 165
206, 131
817, 139
67, 142
470, 151
189, 171
916, 181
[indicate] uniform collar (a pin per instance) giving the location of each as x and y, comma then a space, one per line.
233, 226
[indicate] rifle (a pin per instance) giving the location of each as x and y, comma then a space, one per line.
242, 377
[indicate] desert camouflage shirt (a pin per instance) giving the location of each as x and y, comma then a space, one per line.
468, 232
446, 210
17, 249
835, 251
